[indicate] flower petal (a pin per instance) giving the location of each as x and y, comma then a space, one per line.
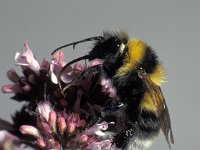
11, 88
44, 108
54, 78
27, 58
13, 76
96, 129
94, 62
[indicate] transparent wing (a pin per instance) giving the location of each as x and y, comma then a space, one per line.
157, 96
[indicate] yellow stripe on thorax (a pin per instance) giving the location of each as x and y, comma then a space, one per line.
134, 55
158, 75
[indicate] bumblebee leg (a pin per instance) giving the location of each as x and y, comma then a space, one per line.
121, 140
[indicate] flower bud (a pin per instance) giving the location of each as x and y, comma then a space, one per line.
71, 127
41, 143
13, 76
83, 138
11, 88
31, 130
52, 120
61, 125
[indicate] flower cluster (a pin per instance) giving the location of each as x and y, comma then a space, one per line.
56, 130
55, 117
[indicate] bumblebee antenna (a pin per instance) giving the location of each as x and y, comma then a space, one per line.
67, 65
75, 43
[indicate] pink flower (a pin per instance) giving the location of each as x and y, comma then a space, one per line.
97, 129
62, 122
44, 108
19, 85
27, 59
56, 65
70, 72
94, 62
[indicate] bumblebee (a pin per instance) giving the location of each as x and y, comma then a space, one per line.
137, 74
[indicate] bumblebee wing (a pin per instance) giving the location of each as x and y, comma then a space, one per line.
157, 96
165, 121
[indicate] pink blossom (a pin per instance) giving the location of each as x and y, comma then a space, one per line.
78, 68
45, 64
97, 129
94, 62
54, 78
56, 65
59, 57
44, 108
61, 122
27, 59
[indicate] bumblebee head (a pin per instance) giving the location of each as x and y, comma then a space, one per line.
109, 44
112, 44
110, 47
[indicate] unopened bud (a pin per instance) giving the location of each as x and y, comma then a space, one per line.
83, 138
30, 130
71, 127
61, 125
52, 120
40, 143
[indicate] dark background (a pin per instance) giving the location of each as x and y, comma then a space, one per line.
170, 27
